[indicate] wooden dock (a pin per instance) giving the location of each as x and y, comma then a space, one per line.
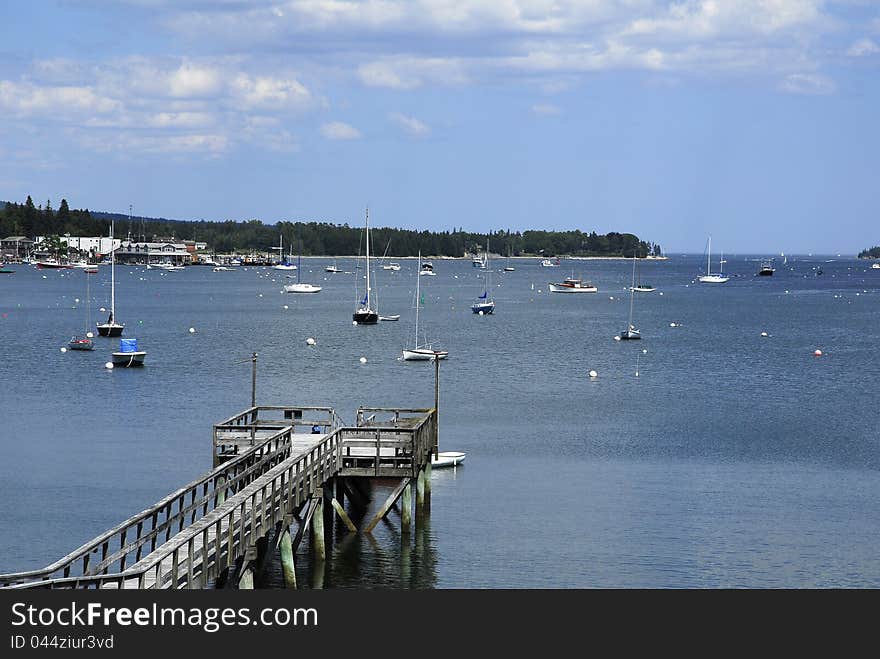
279, 472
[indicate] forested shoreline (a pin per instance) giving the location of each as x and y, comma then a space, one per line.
313, 238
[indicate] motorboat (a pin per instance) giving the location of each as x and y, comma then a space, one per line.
572, 285
447, 459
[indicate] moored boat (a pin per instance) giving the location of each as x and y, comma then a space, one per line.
572, 285
128, 354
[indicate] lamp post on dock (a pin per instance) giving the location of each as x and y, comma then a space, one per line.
254, 380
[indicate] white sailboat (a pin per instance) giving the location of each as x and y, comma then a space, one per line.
299, 286
631, 333
710, 277
421, 351
284, 262
485, 305
365, 313
111, 327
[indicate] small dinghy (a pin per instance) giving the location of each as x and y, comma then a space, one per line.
447, 459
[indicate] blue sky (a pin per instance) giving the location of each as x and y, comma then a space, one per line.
753, 121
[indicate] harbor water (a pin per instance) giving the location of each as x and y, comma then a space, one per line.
705, 455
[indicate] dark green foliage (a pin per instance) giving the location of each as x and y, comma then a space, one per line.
870, 253
317, 238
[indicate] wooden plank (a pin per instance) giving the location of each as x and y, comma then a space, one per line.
380, 515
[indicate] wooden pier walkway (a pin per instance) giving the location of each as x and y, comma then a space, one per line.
275, 470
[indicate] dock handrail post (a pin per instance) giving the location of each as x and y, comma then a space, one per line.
254, 380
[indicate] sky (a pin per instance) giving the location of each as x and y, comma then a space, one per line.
753, 121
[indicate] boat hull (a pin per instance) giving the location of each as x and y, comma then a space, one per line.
423, 354
110, 329
365, 317
81, 344
483, 308
556, 288
447, 459
630, 335
713, 279
302, 288
128, 359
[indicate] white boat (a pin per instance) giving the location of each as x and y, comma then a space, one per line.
300, 287
391, 318
421, 351
484, 304
549, 263
223, 268
479, 261
285, 263
365, 314
508, 267
111, 327
427, 269
84, 265
447, 459
710, 277
392, 266
572, 285
128, 354
332, 268
876, 266
631, 333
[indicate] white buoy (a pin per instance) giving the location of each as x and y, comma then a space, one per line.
672, 324
310, 341
593, 374
354, 322
617, 338
661, 292
76, 299
817, 353
108, 365
286, 307
192, 330
645, 351
610, 297
480, 313
260, 295
764, 334
363, 360
102, 310
90, 335
63, 349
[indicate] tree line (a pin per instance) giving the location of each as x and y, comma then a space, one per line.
870, 253
312, 238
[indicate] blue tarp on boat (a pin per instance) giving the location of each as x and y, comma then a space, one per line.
128, 345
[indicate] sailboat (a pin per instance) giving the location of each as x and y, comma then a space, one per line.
84, 342
111, 327
366, 314
285, 263
423, 351
485, 304
643, 288
299, 286
631, 333
710, 277
508, 267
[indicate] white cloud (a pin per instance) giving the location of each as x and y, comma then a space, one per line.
66, 102
269, 92
337, 130
411, 72
545, 109
410, 125
807, 83
863, 48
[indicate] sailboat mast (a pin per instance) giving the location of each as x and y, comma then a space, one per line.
367, 225
632, 292
418, 299
113, 270
709, 257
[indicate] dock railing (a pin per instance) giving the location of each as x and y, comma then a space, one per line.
191, 536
